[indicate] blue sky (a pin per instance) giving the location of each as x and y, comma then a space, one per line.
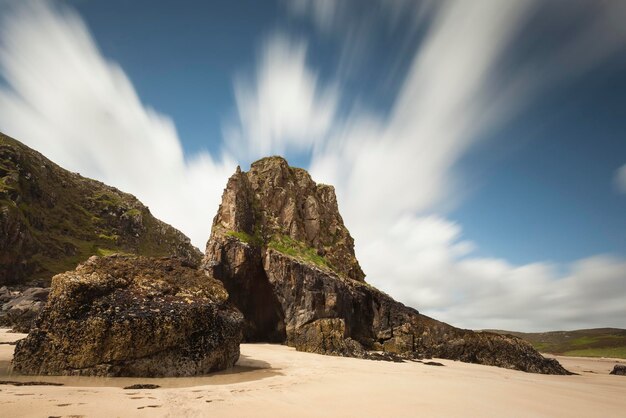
542, 187
182, 56
471, 144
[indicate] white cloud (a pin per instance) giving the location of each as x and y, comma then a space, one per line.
283, 108
620, 179
81, 111
405, 164
417, 260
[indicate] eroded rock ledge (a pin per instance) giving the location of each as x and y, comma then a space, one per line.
132, 316
280, 247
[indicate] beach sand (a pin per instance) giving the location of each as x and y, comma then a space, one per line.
277, 381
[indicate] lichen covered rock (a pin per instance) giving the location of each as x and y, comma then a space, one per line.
306, 288
132, 316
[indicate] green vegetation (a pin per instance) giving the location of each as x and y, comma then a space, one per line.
614, 352
133, 212
255, 239
599, 342
107, 198
104, 252
299, 250
112, 238
62, 219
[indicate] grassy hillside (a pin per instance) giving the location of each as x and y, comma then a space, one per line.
597, 342
52, 219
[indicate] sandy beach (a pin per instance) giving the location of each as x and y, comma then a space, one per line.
276, 381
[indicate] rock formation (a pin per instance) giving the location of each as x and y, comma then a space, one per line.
619, 369
132, 316
52, 219
20, 310
280, 247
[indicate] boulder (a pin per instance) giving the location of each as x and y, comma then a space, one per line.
619, 369
21, 311
280, 247
5, 295
132, 316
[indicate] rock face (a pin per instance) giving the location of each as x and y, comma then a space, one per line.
275, 203
20, 311
619, 369
132, 316
52, 219
304, 286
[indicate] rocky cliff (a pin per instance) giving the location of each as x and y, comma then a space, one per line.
51, 219
132, 316
280, 247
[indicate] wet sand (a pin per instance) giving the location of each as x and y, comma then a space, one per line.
277, 381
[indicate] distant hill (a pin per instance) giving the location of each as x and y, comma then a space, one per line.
597, 342
52, 219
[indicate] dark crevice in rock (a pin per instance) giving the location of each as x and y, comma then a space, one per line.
264, 317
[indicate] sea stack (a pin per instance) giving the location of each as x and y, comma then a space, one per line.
279, 245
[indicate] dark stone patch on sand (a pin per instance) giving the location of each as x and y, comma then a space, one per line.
16, 383
143, 386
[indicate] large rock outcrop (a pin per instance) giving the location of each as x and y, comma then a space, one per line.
280, 247
52, 219
132, 316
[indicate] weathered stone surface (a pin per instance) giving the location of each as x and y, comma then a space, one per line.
21, 311
52, 219
5, 295
142, 386
619, 369
326, 336
273, 201
132, 316
290, 289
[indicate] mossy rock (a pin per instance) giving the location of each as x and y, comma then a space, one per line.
52, 219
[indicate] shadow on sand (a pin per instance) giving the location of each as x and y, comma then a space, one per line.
247, 369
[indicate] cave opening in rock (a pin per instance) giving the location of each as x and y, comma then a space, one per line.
251, 292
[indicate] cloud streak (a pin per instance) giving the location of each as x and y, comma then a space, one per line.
80, 110
393, 173
283, 108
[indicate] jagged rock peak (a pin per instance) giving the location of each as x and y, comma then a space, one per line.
281, 207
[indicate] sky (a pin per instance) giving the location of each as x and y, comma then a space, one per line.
478, 149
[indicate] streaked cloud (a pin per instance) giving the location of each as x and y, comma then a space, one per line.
424, 261
283, 107
80, 110
394, 173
